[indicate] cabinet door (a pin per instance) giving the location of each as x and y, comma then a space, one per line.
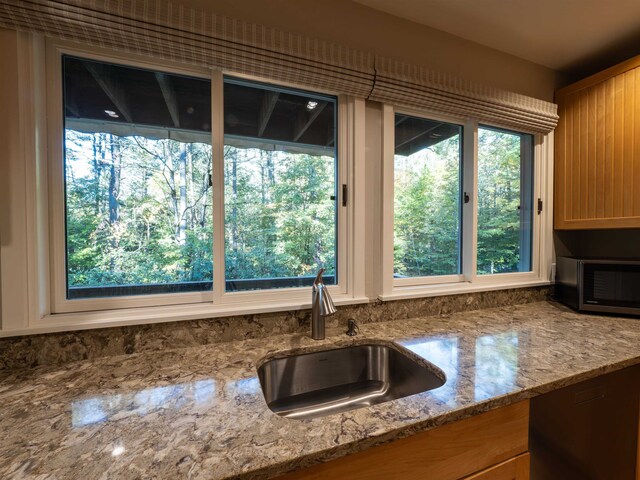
449, 452
514, 469
597, 145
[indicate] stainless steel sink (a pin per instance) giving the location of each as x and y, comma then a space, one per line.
321, 383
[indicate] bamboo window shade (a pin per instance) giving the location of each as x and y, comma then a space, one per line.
168, 30
410, 85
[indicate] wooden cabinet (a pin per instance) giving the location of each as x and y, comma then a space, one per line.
514, 469
492, 445
597, 151
587, 429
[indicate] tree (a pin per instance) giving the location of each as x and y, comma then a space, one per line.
280, 219
139, 210
145, 221
499, 200
427, 210
427, 207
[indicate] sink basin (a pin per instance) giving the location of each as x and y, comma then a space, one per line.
321, 383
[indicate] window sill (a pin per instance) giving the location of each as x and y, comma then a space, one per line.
173, 313
418, 291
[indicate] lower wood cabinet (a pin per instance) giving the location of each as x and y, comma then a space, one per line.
492, 445
513, 469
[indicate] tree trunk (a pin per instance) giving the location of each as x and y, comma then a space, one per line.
182, 203
114, 180
234, 208
263, 185
171, 181
191, 196
114, 190
98, 162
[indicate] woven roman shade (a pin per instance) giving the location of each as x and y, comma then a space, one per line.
171, 31
412, 86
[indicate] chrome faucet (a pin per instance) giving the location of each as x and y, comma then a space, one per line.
321, 306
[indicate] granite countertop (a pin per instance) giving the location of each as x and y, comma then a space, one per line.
199, 413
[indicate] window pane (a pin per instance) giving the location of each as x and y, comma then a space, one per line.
505, 197
280, 186
427, 190
137, 162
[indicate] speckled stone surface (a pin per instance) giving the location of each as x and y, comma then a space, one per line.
61, 348
199, 413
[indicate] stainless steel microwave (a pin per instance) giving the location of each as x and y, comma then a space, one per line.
596, 285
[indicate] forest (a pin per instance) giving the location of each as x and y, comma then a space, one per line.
427, 223
504, 211
427, 211
139, 210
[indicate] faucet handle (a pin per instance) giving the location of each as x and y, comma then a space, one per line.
352, 328
327, 307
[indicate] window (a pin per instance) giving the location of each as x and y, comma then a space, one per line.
173, 186
505, 198
280, 186
463, 206
427, 193
138, 200
137, 163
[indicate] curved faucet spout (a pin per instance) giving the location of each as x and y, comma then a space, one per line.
318, 279
321, 306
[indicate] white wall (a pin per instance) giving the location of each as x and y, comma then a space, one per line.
360, 27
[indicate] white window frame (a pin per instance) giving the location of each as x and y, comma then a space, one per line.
47, 309
389, 169
346, 122
468, 280
55, 132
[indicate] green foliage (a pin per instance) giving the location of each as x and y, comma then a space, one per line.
139, 212
279, 217
427, 207
427, 211
124, 210
499, 226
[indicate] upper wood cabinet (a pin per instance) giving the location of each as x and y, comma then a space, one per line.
597, 151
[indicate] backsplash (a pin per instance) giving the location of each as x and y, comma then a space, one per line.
60, 348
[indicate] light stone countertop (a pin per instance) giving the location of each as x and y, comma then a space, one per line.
199, 413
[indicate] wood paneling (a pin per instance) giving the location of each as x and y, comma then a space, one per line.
514, 469
449, 452
597, 173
